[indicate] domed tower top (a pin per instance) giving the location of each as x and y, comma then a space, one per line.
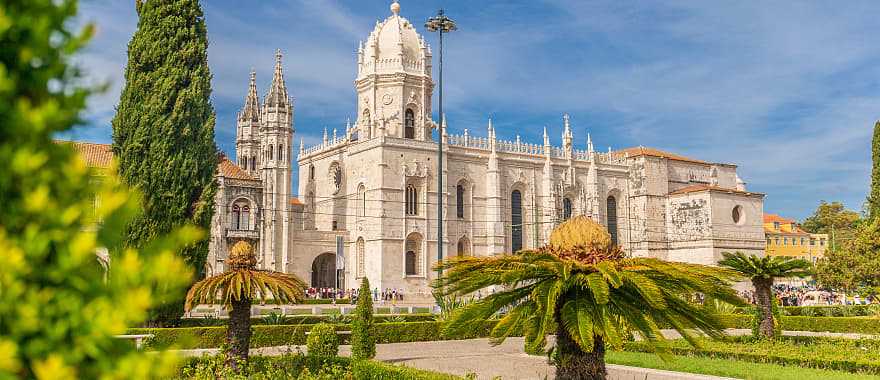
394, 46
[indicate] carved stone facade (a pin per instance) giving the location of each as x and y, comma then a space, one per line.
375, 185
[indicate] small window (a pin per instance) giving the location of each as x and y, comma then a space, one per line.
785, 240
459, 201
736, 214
245, 218
566, 208
412, 197
409, 130
777, 240
271, 152
335, 225
243, 162
311, 172
253, 163
280, 152
776, 226
236, 215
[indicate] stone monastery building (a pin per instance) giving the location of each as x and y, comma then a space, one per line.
373, 188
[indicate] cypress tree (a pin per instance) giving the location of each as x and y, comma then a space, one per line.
163, 131
363, 344
874, 197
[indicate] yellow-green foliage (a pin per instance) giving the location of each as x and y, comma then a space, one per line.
322, 340
59, 307
579, 231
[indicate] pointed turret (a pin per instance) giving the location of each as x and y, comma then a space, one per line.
589, 144
277, 95
251, 109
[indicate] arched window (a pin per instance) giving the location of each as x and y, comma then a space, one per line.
360, 258
253, 162
412, 200
271, 152
411, 257
245, 218
566, 208
463, 246
311, 172
236, 214
280, 152
516, 229
612, 218
409, 125
459, 201
243, 162
362, 200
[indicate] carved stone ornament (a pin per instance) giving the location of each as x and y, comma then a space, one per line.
387, 99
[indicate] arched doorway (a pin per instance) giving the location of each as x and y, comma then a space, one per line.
324, 271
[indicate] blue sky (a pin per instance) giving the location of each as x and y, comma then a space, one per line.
789, 91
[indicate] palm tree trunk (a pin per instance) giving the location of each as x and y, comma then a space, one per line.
763, 296
575, 364
238, 333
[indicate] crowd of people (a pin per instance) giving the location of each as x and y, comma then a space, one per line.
387, 295
809, 295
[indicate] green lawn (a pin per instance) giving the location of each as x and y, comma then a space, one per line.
729, 368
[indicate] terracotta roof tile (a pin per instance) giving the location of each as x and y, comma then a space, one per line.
645, 151
95, 155
229, 169
698, 188
295, 201
770, 218
100, 156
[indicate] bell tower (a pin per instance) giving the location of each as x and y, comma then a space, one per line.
276, 137
393, 84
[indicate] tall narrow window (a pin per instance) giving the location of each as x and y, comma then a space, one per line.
566, 208
311, 172
459, 201
409, 129
411, 257
362, 200
280, 152
243, 162
410, 263
245, 218
236, 214
516, 230
361, 260
271, 152
612, 218
412, 200
253, 162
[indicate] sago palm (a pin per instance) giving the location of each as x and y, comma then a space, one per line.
583, 288
237, 288
762, 271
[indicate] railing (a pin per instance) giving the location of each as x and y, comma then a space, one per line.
242, 234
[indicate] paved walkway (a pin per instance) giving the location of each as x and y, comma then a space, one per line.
507, 360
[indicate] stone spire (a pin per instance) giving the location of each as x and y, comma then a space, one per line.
277, 95
566, 133
302, 147
589, 144
251, 109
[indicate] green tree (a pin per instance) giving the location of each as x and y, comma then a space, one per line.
874, 196
582, 286
833, 219
59, 307
762, 271
363, 343
855, 265
163, 131
236, 289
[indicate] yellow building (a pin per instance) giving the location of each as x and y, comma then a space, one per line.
786, 238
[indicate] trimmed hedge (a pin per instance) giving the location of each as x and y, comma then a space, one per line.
822, 310
325, 301
290, 366
849, 355
284, 335
302, 319
373, 370
400, 332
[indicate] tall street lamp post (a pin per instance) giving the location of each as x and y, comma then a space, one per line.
440, 23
